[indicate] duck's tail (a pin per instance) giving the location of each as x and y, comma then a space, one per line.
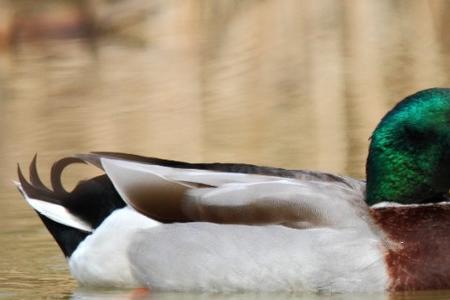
69, 216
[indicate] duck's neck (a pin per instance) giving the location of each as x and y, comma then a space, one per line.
402, 171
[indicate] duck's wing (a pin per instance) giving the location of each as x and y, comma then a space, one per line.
177, 194
94, 158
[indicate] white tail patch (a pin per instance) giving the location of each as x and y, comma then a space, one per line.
55, 212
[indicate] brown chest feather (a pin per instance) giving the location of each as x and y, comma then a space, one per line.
421, 257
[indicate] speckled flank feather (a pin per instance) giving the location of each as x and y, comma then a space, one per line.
225, 258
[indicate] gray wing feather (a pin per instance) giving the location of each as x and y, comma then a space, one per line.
197, 195
292, 203
95, 157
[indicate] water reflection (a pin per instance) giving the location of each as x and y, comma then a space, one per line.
81, 294
296, 84
103, 295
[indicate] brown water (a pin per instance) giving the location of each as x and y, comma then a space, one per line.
295, 84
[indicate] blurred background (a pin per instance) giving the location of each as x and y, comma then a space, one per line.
287, 83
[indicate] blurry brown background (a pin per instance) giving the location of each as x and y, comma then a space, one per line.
289, 83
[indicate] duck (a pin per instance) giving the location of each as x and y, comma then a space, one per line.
168, 225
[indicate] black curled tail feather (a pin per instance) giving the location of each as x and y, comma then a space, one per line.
56, 172
34, 191
34, 176
92, 200
37, 189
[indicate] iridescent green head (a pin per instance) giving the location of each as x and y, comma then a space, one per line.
409, 155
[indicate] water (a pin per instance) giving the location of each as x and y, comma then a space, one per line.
295, 84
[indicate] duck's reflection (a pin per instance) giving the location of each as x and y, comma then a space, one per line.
141, 294
93, 294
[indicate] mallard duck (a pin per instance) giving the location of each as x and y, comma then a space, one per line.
220, 227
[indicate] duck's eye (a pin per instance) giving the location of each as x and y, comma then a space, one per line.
412, 133
417, 134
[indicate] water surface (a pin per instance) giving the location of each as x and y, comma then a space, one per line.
295, 84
